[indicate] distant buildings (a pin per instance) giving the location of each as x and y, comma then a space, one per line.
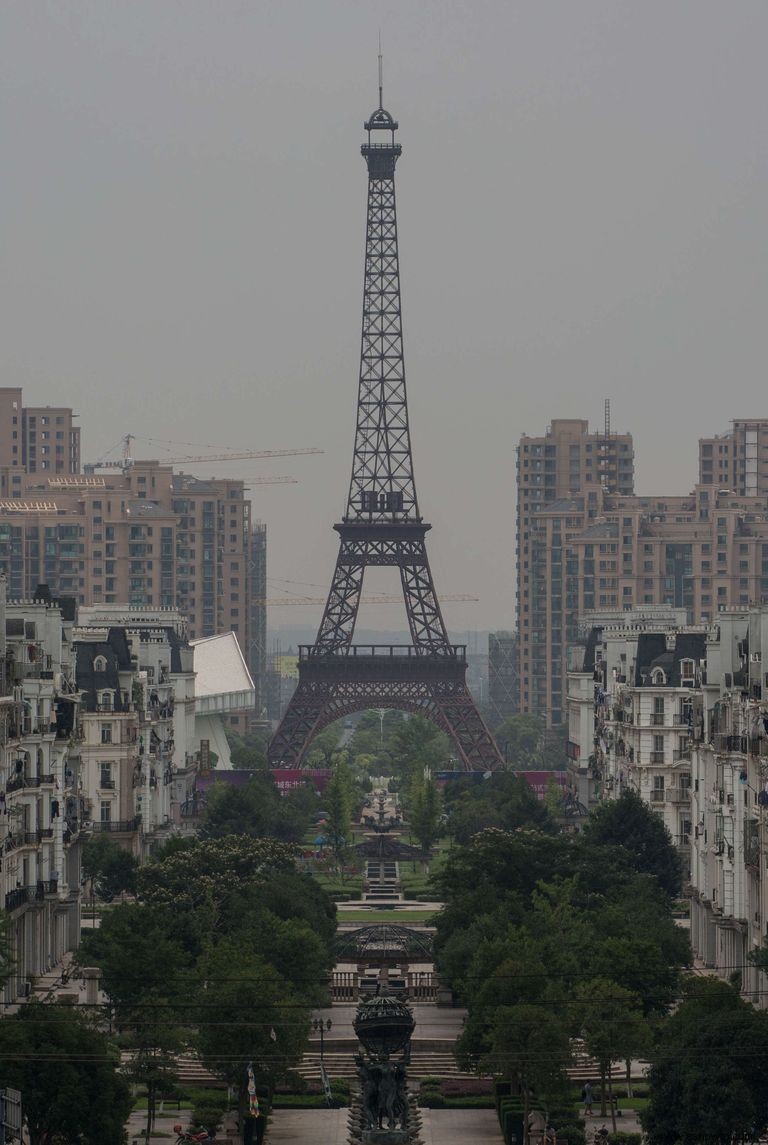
138, 533
107, 715
503, 677
596, 545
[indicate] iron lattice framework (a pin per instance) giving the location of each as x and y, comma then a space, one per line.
382, 527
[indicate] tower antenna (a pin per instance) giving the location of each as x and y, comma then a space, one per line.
381, 74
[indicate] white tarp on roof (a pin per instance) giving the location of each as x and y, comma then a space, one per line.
222, 680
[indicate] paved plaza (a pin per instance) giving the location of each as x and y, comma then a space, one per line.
329, 1127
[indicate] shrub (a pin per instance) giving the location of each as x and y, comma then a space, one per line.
208, 1117
625, 1139
572, 1132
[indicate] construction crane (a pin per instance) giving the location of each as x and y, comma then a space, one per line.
383, 598
127, 461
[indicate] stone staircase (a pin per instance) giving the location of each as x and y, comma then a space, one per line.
341, 1064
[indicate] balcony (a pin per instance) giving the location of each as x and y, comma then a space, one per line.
107, 784
657, 719
119, 826
657, 757
21, 896
657, 795
681, 754
731, 743
677, 795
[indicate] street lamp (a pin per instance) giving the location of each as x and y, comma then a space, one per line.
322, 1026
382, 712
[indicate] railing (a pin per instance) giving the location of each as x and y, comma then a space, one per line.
657, 719
677, 794
457, 651
107, 784
23, 895
737, 743
658, 795
758, 746
657, 757
16, 782
681, 754
682, 721
118, 826
345, 985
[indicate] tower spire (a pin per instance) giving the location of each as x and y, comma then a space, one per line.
381, 75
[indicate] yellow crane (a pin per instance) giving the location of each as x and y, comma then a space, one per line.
127, 461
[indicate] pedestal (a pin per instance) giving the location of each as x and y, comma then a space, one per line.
385, 1137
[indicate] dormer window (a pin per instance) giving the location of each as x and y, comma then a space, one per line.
658, 679
106, 701
100, 664
687, 673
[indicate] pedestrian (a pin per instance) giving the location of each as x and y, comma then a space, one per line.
586, 1093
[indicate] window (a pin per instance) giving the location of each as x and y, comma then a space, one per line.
105, 776
106, 812
105, 701
100, 664
687, 673
106, 733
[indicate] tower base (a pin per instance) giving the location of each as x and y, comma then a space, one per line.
334, 685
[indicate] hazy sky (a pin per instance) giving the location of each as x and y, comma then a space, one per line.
583, 210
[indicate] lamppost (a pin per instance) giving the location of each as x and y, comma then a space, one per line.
322, 1026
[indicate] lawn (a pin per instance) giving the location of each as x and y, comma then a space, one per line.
402, 917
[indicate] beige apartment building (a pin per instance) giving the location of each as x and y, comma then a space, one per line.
567, 460
143, 536
601, 548
36, 439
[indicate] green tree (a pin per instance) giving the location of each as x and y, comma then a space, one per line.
325, 745
110, 869
338, 806
248, 1013
519, 739
613, 1028
504, 800
629, 824
529, 1044
146, 976
68, 1074
416, 744
248, 752
707, 1077
424, 819
258, 809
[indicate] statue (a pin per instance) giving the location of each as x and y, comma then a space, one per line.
384, 1026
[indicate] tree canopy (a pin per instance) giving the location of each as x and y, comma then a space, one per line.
707, 1077
629, 823
66, 1071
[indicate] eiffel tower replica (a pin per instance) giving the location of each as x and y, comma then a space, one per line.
382, 526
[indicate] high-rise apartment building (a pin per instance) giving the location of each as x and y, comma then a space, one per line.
737, 461
35, 439
503, 683
141, 535
551, 470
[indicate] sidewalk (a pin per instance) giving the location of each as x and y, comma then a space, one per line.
329, 1126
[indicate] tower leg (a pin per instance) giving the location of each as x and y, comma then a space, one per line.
302, 720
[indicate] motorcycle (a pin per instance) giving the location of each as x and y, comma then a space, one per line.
185, 1138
